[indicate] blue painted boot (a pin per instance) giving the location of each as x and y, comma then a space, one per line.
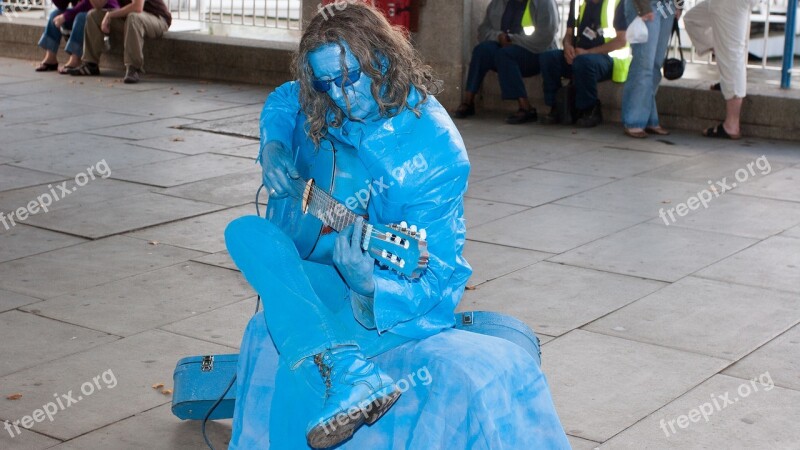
357, 391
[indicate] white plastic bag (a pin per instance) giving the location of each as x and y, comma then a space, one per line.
637, 32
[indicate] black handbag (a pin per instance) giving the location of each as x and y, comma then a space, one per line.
674, 67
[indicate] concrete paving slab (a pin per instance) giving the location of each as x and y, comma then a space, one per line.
554, 299
533, 187
166, 104
131, 366
13, 133
739, 215
774, 150
87, 122
762, 419
780, 357
224, 326
164, 431
532, 149
715, 166
27, 440
553, 228
635, 195
582, 444
792, 232
655, 251
231, 190
29, 340
98, 190
628, 381
191, 142
491, 261
489, 129
772, 264
743, 318
65, 158
781, 185
242, 126
483, 166
21, 241
236, 111
202, 233
15, 177
610, 162
86, 265
11, 300
149, 300
143, 130
478, 212
249, 151
221, 259
96, 220
185, 170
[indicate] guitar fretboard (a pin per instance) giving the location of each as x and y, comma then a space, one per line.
324, 207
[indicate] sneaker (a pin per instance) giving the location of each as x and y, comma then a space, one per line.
86, 68
591, 117
357, 391
522, 116
131, 75
464, 110
552, 118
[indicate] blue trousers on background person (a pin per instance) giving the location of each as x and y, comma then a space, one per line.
512, 64
586, 71
639, 108
51, 38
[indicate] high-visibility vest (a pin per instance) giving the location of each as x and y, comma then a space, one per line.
622, 57
527, 20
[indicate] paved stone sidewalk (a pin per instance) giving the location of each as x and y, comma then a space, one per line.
652, 331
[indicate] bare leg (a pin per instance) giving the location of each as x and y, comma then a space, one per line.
733, 110
524, 103
74, 61
50, 58
469, 98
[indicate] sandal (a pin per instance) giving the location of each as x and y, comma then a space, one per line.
716, 87
719, 132
46, 67
85, 69
65, 70
637, 133
659, 130
522, 116
464, 110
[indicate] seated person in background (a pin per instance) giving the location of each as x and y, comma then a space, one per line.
585, 58
138, 19
512, 35
64, 17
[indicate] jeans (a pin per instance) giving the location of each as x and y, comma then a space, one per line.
306, 304
51, 37
586, 71
639, 94
511, 63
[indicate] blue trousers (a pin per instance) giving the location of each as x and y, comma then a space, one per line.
306, 304
511, 63
51, 38
639, 94
586, 71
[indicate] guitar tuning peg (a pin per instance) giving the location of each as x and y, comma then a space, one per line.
403, 224
413, 228
423, 234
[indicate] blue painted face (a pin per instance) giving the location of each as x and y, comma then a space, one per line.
326, 65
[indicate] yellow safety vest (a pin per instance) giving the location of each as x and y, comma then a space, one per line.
527, 20
621, 57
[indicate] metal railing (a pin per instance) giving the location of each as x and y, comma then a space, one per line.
281, 14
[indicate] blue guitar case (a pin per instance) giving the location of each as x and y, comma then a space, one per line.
201, 380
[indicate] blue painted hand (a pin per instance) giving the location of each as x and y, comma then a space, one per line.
352, 262
278, 169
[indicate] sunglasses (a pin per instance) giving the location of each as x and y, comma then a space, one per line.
342, 80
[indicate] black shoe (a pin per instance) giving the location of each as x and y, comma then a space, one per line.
131, 75
522, 116
552, 118
86, 68
592, 117
464, 110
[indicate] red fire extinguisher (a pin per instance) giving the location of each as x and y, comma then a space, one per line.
398, 12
